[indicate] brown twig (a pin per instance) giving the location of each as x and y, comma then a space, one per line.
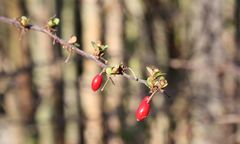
65, 44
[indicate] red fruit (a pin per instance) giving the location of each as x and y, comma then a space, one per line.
143, 109
96, 82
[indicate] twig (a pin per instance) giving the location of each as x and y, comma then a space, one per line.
65, 44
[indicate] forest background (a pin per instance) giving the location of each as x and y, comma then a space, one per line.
196, 42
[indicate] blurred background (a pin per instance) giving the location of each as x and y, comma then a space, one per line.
196, 42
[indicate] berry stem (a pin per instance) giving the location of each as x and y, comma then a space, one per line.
103, 71
149, 99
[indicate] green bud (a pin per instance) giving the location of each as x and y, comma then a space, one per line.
158, 74
56, 21
163, 83
161, 78
50, 23
24, 21
53, 22
149, 82
109, 71
105, 47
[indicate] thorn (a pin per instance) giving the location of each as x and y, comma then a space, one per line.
69, 55
134, 75
22, 32
112, 81
105, 84
104, 60
165, 93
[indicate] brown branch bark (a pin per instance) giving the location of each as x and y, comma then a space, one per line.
62, 42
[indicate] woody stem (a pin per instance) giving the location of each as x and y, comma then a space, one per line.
149, 99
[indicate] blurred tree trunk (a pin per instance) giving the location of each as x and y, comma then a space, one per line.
91, 101
207, 54
69, 21
47, 77
237, 62
237, 34
19, 104
177, 104
134, 56
114, 38
154, 52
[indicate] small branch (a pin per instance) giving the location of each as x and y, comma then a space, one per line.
135, 79
62, 42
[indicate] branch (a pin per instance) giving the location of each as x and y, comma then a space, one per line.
65, 44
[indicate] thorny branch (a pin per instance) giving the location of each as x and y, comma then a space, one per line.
65, 44
174, 63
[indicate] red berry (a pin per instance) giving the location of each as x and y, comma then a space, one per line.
96, 82
143, 109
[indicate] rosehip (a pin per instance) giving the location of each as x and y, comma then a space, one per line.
96, 82
143, 109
